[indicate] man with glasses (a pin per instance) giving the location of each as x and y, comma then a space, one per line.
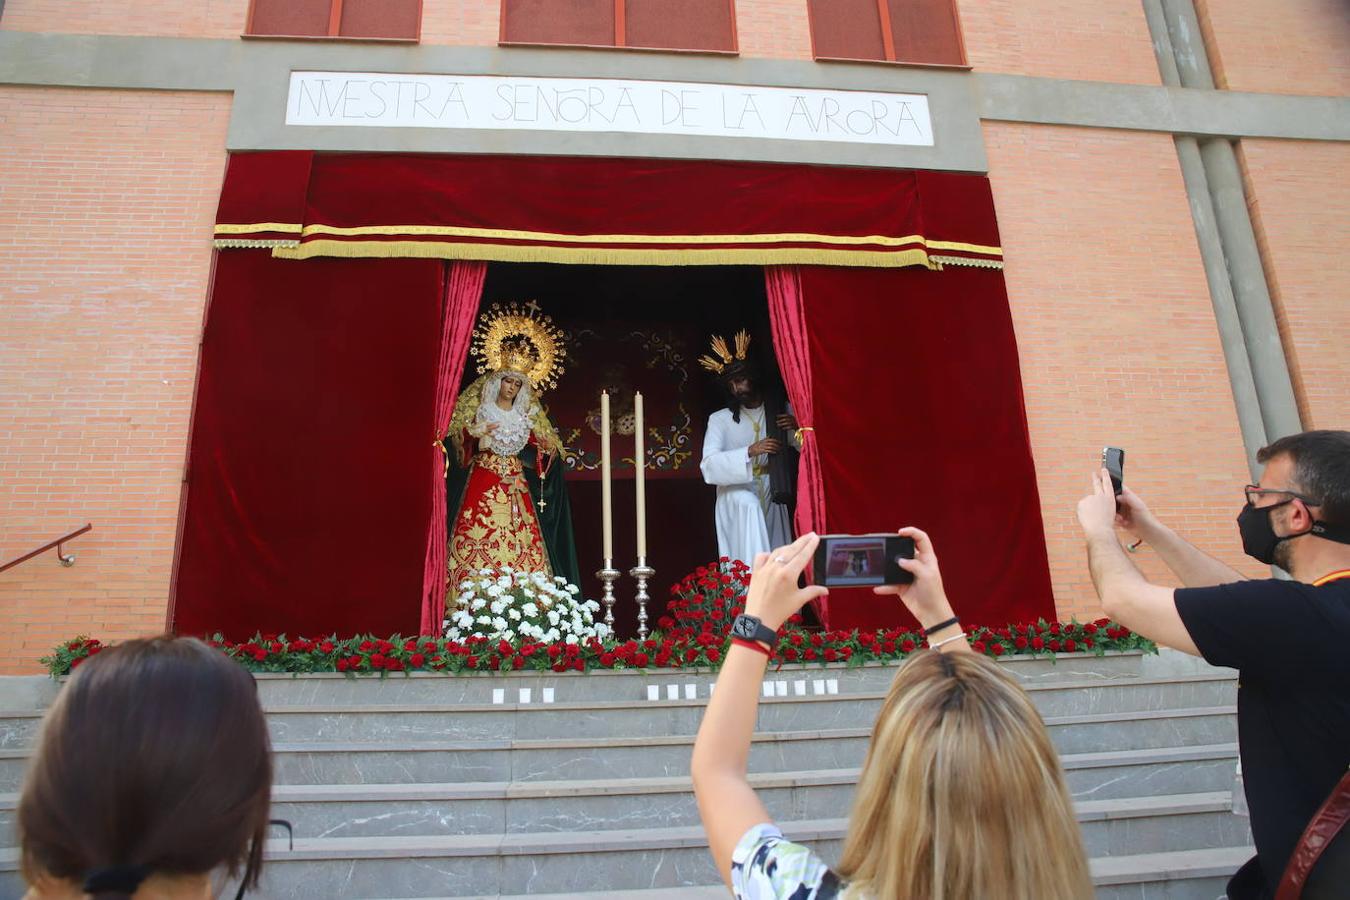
1289, 639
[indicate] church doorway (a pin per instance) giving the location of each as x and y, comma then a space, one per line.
639, 328
340, 311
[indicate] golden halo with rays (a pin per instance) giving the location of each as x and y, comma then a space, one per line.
519, 337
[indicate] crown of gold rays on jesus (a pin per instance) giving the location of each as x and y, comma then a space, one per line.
518, 337
725, 358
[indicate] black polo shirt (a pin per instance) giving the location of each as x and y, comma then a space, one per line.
1290, 643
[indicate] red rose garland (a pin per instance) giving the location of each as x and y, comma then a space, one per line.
693, 634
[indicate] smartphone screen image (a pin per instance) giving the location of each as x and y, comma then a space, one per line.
862, 560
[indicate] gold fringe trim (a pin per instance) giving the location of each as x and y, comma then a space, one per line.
941, 261
248, 243
606, 256
765, 238
967, 248
282, 227
557, 237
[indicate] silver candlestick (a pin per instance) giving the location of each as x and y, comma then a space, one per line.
608, 575
642, 572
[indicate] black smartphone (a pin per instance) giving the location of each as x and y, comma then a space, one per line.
862, 560
1113, 461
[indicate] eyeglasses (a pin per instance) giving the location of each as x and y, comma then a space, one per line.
1253, 491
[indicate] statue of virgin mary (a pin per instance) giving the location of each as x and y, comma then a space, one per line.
512, 508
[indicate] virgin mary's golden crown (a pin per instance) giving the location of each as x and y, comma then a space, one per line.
518, 337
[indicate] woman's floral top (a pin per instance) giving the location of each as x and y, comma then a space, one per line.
766, 866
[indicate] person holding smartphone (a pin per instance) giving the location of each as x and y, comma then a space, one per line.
1286, 637
955, 733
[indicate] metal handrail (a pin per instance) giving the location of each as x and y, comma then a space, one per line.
67, 559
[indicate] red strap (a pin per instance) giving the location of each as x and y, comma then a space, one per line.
753, 645
1323, 828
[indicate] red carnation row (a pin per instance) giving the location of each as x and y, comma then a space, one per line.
693, 633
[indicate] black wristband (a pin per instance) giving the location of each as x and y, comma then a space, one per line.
750, 628
941, 625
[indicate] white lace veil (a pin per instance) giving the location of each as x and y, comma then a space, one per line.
513, 425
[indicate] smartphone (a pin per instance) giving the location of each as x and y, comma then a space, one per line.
1113, 461
862, 560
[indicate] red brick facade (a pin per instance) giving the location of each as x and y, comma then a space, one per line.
106, 205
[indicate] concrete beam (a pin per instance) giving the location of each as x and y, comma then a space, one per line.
1177, 110
257, 72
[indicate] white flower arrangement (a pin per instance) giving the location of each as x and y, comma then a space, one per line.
522, 606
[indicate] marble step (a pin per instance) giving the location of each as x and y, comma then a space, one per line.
600, 804
336, 762
571, 687
371, 722
342, 719
1176, 875
1187, 875
618, 803
33, 692
591, 862
1110, 827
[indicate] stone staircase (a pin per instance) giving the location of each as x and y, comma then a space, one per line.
429, 786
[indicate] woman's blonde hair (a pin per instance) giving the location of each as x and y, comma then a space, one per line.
962, 796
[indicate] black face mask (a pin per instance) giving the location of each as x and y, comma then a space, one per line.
1259, 539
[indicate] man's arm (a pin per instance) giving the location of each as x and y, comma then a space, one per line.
1193, 566
1126, 596
1129, 599
722, 465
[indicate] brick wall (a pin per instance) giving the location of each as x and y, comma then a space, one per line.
773, 28
1107, 40
106, 204
1117, 338
1299, 198
199, 18
1279, 46
464, 22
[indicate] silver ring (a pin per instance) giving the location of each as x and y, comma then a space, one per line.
780, 560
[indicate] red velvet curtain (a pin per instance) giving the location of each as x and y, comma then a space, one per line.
308, 506
308, 503
608, 211
262, 203
463, 291
791, 344
920, 421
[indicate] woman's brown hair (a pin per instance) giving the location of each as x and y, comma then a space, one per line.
962, 796
154, 759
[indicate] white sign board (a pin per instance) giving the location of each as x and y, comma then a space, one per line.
607, 105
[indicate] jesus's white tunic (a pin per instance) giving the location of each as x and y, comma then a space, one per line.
748, 523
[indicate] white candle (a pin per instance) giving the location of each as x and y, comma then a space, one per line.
607, 522
640, 460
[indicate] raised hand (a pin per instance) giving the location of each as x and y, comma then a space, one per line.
773, 594
925, 597
1133, 515
1097, 511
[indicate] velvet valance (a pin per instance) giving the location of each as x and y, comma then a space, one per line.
604, 211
